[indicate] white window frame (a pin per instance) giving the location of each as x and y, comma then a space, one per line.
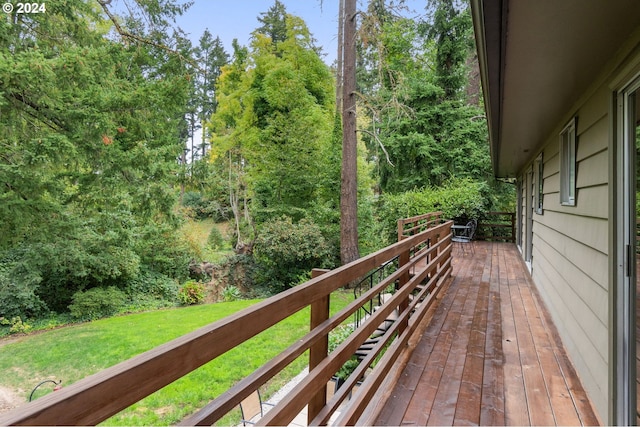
568, 166
538, 171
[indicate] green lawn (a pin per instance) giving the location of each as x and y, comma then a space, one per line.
196, 232
74, 352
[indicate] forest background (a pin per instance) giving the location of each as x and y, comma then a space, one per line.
117, 131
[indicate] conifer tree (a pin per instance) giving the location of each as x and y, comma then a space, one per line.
349, 183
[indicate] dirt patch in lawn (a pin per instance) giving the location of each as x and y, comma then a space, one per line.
9, 399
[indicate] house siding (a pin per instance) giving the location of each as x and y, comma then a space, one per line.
570, 245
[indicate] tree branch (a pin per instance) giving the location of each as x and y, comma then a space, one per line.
374, 136
126, 34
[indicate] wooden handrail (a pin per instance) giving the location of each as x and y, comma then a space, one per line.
490, 228
100, 396
418, 223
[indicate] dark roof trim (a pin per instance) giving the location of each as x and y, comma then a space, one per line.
490, 26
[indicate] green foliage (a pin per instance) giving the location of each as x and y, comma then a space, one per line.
231, 293
347, 369
414, 74
151, 285
215, 239
163, 250
288, 251
90, 127
241, 272
274, 123
459, 198
18, 293
452, 32
274, 23
201, 207
96, 303
191, 292
338, 335
15, 325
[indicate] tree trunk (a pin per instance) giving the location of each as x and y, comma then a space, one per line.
349, 188
339, 63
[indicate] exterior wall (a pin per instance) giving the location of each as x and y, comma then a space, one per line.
574, 256
570, 245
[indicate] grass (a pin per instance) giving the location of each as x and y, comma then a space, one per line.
74, 352
197, 234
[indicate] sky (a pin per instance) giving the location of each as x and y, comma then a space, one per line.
231, 19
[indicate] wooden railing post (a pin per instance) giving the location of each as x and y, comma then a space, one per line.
318, 352
403, 259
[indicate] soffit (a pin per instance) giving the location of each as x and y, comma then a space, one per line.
537, 58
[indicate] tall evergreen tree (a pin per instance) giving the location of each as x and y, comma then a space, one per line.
451, 32
349, 250
210, 57
422, 130
91, 126
274, 23
277, 116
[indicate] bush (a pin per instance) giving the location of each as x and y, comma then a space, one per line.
163, 250
288, 251
215, 239
231, 293
18, 295
191, 293
96, 303
241, 272
16, 325
201, 207
336, 337
459, 198
151, 290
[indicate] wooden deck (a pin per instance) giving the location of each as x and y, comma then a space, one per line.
490, 355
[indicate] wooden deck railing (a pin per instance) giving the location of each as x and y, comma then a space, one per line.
497, 226
418, 278
410, 226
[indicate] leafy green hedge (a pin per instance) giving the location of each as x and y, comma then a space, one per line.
459, 198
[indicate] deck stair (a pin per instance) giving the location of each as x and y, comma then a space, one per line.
366, 310
369, 344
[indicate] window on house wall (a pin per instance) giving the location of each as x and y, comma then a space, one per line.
539, 182
568, 164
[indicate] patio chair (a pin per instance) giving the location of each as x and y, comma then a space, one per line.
465, 237
252, 408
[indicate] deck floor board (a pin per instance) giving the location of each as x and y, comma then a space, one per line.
490, 354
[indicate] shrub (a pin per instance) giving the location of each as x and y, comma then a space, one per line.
336, 337
215, 239
18, 294
191, 293
16, 325
96, 303
288, 251
151, 290
241, 272
231, 293
163, 250
201, 207
459, 198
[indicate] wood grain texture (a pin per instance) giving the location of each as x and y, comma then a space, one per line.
490, 355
